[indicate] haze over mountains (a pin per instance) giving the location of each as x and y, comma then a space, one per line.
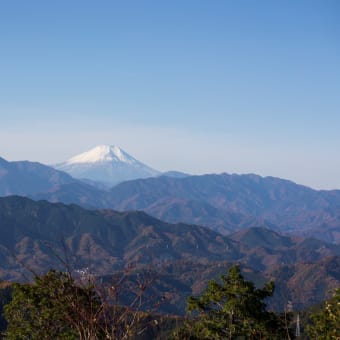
225, 203
231, 202
274, 228
26, 178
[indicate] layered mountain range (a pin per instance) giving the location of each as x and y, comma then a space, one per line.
231, 202
35, 236
107, 212
225, 203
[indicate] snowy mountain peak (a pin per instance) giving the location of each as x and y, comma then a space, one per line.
102, 153
107, 164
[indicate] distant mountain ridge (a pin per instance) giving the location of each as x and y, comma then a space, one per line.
107, 164
225, 203
26, 178
232, 202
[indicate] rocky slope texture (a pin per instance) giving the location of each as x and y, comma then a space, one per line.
106, 164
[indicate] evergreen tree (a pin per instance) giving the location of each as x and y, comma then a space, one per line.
232, 309
53, 307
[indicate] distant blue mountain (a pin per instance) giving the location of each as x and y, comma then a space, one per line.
26, 178
225, 203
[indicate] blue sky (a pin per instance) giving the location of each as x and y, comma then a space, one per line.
197, 86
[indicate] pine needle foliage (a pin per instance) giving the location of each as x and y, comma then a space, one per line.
232, 309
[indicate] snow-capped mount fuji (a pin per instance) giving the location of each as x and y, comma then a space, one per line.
107, 164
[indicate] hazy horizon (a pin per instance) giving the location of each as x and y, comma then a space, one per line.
195, 86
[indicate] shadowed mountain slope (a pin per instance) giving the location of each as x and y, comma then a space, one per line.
33, 233
35, 236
